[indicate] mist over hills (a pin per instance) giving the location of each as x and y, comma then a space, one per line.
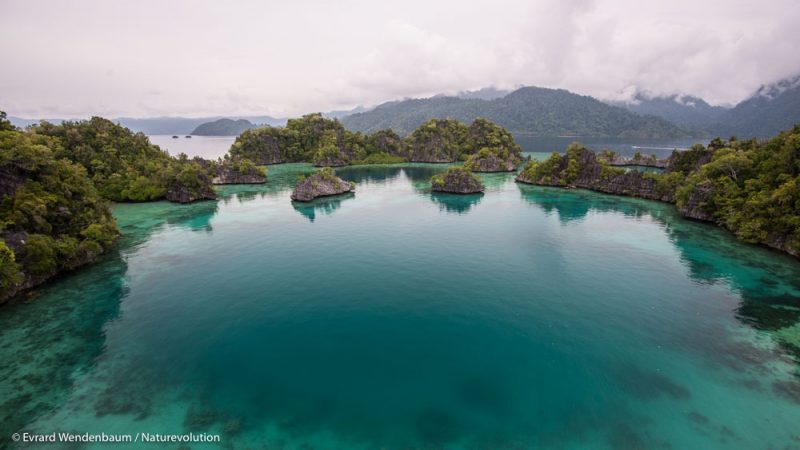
772, 108
683, 110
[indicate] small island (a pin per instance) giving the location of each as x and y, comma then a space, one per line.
222, 127
322, 183
457, 180
324, 142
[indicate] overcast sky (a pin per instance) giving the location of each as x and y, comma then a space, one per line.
197, 58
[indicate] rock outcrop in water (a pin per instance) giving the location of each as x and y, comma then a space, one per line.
457, 180
326, 143
321, 183
580, 168
448, 140
191, 190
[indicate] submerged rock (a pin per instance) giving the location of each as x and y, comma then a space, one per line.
321, 183
457, 180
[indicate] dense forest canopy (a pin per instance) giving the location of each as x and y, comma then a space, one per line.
325, 142
57, 181
52, 218
124, 166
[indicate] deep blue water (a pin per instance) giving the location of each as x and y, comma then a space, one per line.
526, 317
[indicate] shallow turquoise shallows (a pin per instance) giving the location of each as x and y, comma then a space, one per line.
526, 317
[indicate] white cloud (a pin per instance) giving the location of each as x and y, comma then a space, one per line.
197, 58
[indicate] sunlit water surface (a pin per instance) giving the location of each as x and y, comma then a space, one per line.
395, 318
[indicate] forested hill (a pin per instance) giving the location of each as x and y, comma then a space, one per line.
772, 108
684, 110
527, 111
223, 127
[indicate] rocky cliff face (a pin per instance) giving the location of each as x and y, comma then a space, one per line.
320, 184
332, 159
17, 241
492, 162
269, 150
182, 193
437, 141
594, 176
457, 180
695, 205
11, 178
387, 141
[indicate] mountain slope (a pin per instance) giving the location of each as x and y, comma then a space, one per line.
223, 127
526, 111
684, 110
772, 108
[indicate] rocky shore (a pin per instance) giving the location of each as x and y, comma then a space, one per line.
705, 183
321, 183
587, 172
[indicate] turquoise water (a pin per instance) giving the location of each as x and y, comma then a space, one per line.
525, 317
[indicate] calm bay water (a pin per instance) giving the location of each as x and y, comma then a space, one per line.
624, 146
208, 147
526, 317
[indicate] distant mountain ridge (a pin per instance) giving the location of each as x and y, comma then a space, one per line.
163, 125
683, 110
526, 111
772, 108
534, 111
223, 127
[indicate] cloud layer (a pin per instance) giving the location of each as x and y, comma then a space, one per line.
151, 58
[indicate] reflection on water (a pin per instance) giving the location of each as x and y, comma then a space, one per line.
322, 205
58, 330
456, 203
769, 281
